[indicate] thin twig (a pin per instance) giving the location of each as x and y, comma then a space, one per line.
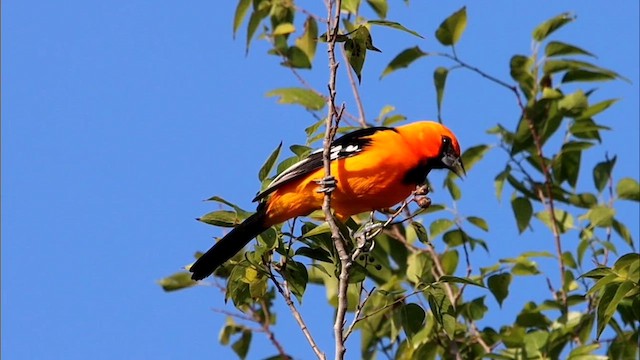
286, 294
357, 314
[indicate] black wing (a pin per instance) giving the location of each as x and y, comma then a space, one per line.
342, 147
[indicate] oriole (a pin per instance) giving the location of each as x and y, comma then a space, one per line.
374, 168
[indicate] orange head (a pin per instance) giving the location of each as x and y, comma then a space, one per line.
435, 143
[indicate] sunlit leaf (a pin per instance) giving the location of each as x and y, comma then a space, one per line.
299, 96
283, 29
451, 28
599, 216
563, 219
628, 189
307, 42
439, 226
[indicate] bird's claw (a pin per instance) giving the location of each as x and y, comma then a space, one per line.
327, 184
364, 236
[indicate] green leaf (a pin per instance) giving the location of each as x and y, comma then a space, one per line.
454, 238
297, 278
296, 58
623, 231
177, 281
628, 189
548, 27
587, 76
266, 168
286, 163
459, 280
308, 41
583, 200
573, 105
479, 222
394, 25
585, 352
472, 155
223, 218
499, 182
439, 226
602, 173
449, 261
421, 232
283, 29
499, 286
403, 60
557, 48
523, 211
413, 317
254, 21
241, 12
563, 219
521, 71
439, 80
380, 7
451, 28
597, 108
611, 297
241, 346
241, 212
299, 96
599, 216
350, 6
454, 190
356, 49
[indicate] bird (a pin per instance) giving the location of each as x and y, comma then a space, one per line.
374, 168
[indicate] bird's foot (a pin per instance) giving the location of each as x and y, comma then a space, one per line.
364, 236
327, 184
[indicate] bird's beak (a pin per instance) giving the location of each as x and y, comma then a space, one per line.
454, 163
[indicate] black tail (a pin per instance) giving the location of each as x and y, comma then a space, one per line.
230, 245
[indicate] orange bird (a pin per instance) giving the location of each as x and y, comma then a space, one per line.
374, 168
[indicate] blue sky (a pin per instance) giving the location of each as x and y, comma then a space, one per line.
120, 117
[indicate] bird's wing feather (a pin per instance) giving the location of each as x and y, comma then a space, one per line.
345, 146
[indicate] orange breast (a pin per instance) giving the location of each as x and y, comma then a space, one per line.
368, 181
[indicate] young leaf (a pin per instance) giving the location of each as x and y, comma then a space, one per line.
628, 189
394, 25
599, 216
283, 29
499, 286
241, 346
403, 60
299, 96
451, 28
439, 80
266, 168
548, 27
613, 293
523, 211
